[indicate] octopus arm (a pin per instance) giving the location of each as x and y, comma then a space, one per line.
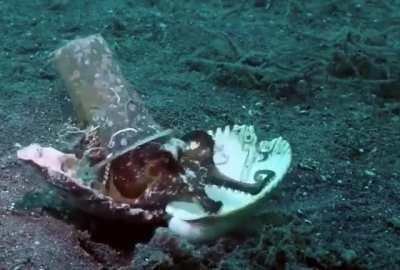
215, 177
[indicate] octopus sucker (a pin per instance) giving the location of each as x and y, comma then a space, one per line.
128, 167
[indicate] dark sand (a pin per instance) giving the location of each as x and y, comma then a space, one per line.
324, 75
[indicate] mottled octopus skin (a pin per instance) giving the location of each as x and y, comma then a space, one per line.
150, 178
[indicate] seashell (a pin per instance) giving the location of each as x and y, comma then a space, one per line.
244, 162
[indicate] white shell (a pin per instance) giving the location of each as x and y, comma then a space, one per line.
239, 155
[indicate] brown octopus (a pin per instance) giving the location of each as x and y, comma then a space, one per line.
150, 176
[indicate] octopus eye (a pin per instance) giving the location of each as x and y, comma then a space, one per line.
194, 145
198, 138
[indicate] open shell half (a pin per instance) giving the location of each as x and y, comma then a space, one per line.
239, 155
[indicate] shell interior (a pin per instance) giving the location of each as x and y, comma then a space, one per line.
239, 155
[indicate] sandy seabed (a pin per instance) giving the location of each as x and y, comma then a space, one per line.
325, 75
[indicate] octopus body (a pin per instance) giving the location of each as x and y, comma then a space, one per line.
150, 177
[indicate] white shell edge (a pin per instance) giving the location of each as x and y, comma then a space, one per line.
191, 221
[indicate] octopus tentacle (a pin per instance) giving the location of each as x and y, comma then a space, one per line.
196, 185
199, 158
215, 177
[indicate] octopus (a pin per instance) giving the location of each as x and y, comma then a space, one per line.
155, 174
